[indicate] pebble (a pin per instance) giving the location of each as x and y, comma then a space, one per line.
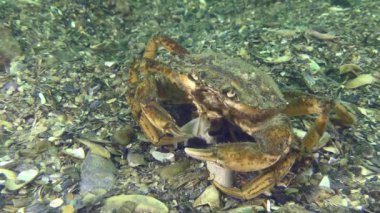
135, 159
124, 136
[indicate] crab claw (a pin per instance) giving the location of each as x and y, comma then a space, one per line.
263, 182
241, 157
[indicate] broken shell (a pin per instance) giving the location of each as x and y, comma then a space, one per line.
324, 139
299, 132
96, 149
9, 175
319, 195
143, 204
365, 172
56, 203
345, 68
282, 59
321, 36
5, 161
76, 153
336, 200
42, 98
211, 197
174, 169
162, 157
109, 63
331, 149
68, 209
21, 180
361, 80
314, 66
325, 182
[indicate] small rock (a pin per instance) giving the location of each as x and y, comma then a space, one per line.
97, 173
124, 136
135, 159
123, 7
141, 203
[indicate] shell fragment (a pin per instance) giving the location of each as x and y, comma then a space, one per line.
21, 180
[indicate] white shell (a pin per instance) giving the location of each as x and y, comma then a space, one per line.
76, 153
22, 179
163, 157
325, 182
211, 197
56, 203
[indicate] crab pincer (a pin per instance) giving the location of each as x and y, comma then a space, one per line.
241, 157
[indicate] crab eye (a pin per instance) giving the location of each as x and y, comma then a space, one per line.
231, 94
194, 76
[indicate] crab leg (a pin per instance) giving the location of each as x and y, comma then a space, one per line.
157, 124
241, 157
275, 173
302, 105
307, 104
212, 108
160, 40
250, 119
272, 143
343, 117
160, 138
263, 182
150, 53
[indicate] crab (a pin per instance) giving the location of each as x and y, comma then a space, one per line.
239, 105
